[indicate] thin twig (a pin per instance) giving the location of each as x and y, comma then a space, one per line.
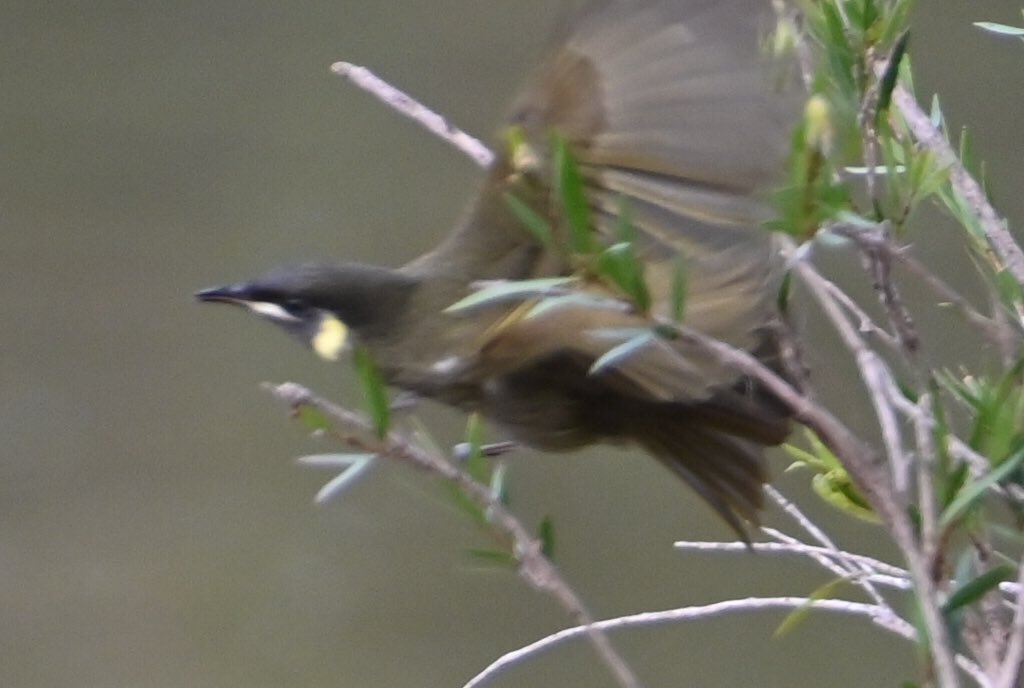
1010, 671
865, 324
818, 534
890, 502
534, 567
994, 227
405, 104
990, 329
878, 615
925, 460
878, 571
801, 518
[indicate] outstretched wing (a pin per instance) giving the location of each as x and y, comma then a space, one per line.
670, 108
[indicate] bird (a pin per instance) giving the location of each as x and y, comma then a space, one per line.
676, 121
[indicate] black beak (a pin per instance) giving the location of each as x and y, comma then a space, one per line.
232, 293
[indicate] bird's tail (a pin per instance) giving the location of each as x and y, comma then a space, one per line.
718, 452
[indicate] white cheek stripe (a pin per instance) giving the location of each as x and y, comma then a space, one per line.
270, 310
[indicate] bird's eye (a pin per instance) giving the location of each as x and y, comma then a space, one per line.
295, 306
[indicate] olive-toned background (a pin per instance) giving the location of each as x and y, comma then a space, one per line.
154, 530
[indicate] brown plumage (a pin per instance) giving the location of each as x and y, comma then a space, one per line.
668, 106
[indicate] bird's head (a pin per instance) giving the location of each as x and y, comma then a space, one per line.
323, 305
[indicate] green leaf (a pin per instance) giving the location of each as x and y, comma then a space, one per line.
974, 490
1010, 534
577, 300
313, 418
517, 290
624, 229
678, 294
1001, 29
546, 535
499, 488
466, 505
954, 483
620, 264
802, 458
618, 334
353, 466
344, 461
785, 294
831, 482
494, 557
966, 151
377, 403
976, 588
796, 616
477, 465
888, 81
572, 199
619, 353
836, 488
537, 225
935, 116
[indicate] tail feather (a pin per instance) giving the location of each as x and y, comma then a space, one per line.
728, 472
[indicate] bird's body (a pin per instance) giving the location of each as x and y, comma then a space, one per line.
672, 112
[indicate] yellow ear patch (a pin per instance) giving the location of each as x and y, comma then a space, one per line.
330, 338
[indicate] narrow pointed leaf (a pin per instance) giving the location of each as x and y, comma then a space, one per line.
504, 291
476, 465
537, 225
573, 200
494, 557
357, 465
976, 588
377, 403
619, 264
313, 418
678, 295
888, 81
577, 299
619, 353
800, 613
1001, 29
335, 461
973, 491
546, 535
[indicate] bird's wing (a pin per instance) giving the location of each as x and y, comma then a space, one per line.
670, 107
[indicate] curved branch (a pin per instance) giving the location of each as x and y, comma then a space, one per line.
878, 616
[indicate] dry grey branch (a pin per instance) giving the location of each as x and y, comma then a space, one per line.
414, 110
534, 567
877, 615
992, 224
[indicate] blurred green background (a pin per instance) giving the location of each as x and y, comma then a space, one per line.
154, 530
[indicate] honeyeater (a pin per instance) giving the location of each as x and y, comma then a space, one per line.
674, 116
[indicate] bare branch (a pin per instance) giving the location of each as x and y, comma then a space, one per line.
875, 570
878, 616
818, 534
534, 567
405, 104
865, 323
1010, 671
889, 502
991, 329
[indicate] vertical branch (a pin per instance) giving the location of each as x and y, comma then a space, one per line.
888, 502
1013, 661
995, 227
